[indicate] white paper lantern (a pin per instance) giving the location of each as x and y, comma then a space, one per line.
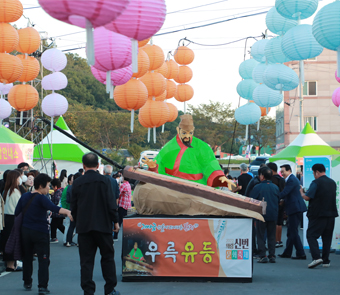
54, 81
54, 60
5, 109
5, 88
54, 105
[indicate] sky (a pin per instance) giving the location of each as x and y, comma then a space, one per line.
215, 68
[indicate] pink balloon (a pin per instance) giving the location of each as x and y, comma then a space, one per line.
118, 77
75, 12
5, 109
112, 50
336, 97
54, 105
140, 20
336, 76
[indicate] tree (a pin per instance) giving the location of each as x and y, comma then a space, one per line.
265, 136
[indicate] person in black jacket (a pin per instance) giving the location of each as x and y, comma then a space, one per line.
321, 213
94, 209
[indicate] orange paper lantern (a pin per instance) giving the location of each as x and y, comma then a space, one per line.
154, 114
161, 97
184, 92
171, 89
9, 38
172, 69
23, 97
29, 40
163, 70
131, 95
10, 68
143, 64
31, 68
173, 112
10, 10
156, 56
143, 42
184, 55
264, 111
184, 75
155, 83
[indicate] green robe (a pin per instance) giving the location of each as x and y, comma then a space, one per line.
136, 254
197, 164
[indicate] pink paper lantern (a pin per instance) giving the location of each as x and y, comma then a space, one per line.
54, 81
54, 60
336, 97
112, 50
5, 109
54, 105
140, 20
5, 88
336, 76
118, 77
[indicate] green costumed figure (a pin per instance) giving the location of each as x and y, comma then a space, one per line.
136, 253
188, 157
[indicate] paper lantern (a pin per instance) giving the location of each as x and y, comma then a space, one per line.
296, 9
5, 109
264, 111
246, 68
280, 77
31, 68
143, 64
143, 42
163, 69
54, 60
246, 88
154, 113
257, 50
184, 55
156, 56
54, 81
258, 72
131, 96
5, 88
273, 51
9, 37
265, 97
99, 75
161, 97
112, 50
11, 10
23, 97
336, 97
173, 112
248, 114
184, 75
184, 92
171, 89
29, 40
118, 77
11, 68
336, 76
278, 24
54, 105
154, 82
140, 20
299, 43
173, 69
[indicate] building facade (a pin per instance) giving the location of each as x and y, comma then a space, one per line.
318, 108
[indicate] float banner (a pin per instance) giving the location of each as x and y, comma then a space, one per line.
187, 247
15, 153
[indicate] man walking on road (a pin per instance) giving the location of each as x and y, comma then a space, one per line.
94, 208
321, 213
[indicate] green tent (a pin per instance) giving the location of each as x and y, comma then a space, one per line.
308, 143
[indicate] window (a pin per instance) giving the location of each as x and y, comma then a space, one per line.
309, 88
312, 121
312, 58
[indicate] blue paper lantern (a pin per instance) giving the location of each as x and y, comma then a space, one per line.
259, 72
295, 9
278, 24
246, 88
246, 68
248, 114
257, 50
299, 43
280, 77
273, 51
265, 97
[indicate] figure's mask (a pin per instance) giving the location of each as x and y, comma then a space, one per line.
185, 130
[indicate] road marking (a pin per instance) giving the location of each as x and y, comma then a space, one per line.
5, 273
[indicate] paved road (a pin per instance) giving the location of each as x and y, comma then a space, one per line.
286, 277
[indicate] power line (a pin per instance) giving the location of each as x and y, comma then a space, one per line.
32, 7
197, 6
235, 41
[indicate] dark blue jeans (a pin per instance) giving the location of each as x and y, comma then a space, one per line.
293, 238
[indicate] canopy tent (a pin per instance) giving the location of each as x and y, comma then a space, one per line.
308, 143
66, 152
14, 149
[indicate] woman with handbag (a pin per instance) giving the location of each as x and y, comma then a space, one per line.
11, 197
34, 231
